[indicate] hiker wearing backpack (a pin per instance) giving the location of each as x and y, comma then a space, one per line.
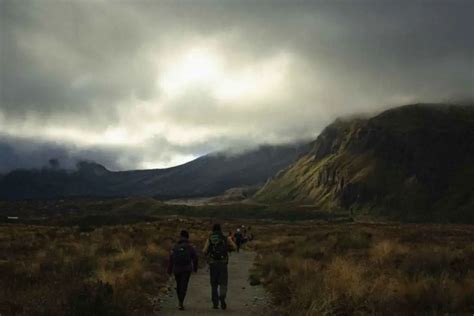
183, 260
217, 249
239, 239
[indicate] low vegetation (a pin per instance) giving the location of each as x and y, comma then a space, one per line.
98, 257
108, 270
348, 269
114, 211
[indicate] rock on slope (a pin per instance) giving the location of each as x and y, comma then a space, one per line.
414, 162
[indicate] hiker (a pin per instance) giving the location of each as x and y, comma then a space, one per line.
183, 260
239, 239
217, 249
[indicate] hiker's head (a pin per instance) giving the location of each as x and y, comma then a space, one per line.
216, 228
184, 234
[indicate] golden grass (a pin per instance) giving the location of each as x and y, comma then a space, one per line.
368, 269
111, 270
309, 268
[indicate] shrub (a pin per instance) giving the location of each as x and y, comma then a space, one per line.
93, 299
387, 251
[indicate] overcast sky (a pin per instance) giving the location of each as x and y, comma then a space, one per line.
142, 84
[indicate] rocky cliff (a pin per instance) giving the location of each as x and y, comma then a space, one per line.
412, 162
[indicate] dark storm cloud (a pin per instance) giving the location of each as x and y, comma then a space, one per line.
27, 153
69, 58
31, 153
24, 153
89, 65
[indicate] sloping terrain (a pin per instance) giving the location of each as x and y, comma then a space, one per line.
413, 162
206, 176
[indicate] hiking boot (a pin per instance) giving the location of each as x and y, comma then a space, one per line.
181, 307
223, 304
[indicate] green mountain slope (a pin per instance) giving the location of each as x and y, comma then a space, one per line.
208, 175
414, 162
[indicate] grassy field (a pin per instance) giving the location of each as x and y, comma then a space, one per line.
108, 270
112, 211
103, 259
358, 269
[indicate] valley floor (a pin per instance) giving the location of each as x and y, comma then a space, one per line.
109, 257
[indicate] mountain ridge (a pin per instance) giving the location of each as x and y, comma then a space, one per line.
413, 161
207, 175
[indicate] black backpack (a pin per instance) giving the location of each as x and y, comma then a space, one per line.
182, 255
238, 237
218, 247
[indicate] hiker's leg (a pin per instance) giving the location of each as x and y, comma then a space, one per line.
184, 285
214, 276
223, 279
178, 277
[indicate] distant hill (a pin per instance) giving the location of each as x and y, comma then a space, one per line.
413, 162
206, 176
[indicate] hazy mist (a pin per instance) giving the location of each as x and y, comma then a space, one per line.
141, 84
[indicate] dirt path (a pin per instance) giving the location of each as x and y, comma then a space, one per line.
242, 298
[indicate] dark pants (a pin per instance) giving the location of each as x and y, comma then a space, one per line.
238, 243
219, 277
182, 280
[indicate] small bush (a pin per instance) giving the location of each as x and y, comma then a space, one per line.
93, 299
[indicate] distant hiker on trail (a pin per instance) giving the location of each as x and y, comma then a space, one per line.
217, 248
183, 260
239, 239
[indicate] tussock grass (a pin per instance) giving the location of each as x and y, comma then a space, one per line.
109, 270
348, 269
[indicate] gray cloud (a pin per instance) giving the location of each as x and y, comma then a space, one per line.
31, 153
28, 153
72, 73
